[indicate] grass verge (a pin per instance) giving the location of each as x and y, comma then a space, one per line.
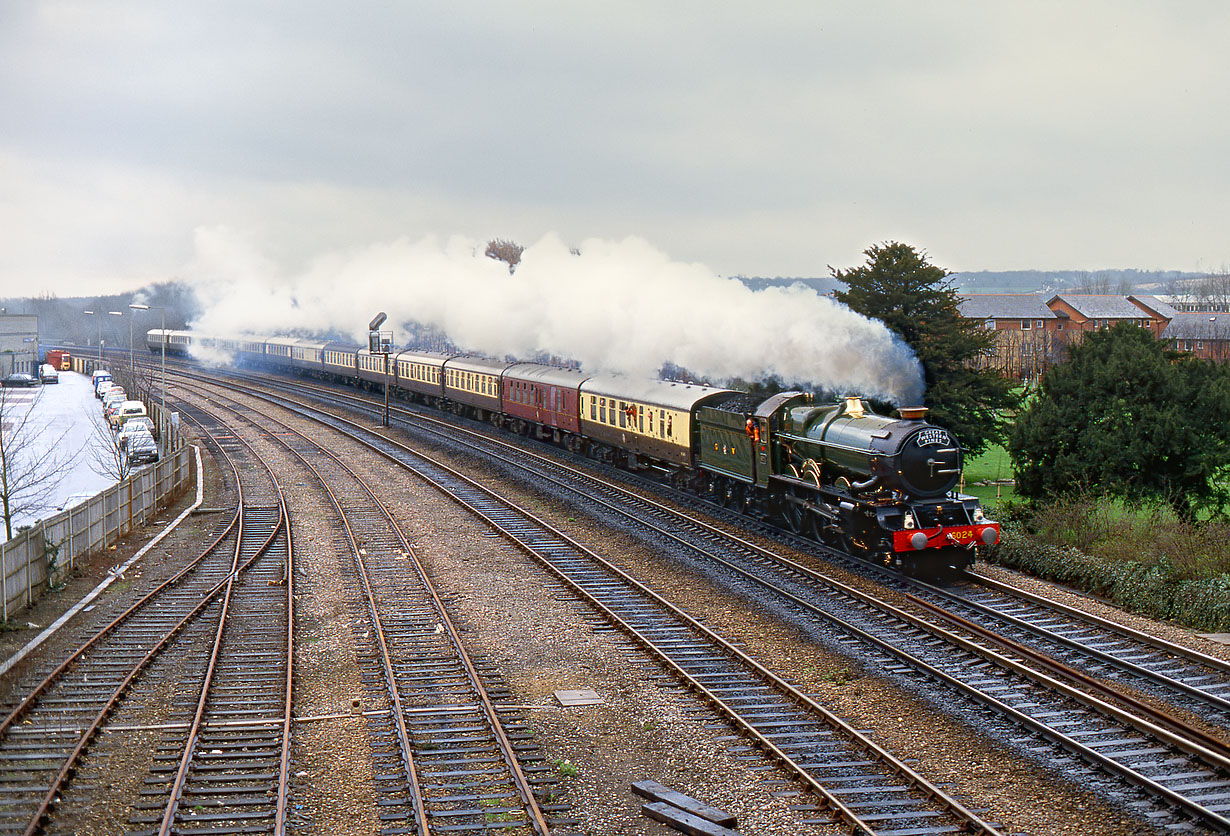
1142, 559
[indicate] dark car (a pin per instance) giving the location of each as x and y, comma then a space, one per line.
141, 448
20, 379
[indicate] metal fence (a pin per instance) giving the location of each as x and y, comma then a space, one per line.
39, 555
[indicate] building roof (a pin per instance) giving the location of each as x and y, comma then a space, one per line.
1005, 306
1100, 306
1198, 326
1156, 304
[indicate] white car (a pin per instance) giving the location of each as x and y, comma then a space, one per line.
112, 399
48, 374
133, 426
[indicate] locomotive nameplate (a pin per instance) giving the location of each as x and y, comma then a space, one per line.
932, 437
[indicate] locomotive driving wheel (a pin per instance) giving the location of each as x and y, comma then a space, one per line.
794, 515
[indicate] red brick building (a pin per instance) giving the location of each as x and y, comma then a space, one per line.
1079, 313
1206, 335
1027, 337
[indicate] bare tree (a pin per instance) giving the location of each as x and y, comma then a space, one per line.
507, 251
104, 453
1214, 292
32, 458
1091, 283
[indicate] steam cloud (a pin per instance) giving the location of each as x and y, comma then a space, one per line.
619, 306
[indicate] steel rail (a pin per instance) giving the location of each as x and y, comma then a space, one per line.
194, 728
40, 817
283, 527
1155, 715
1190, 654
29, 700
529, 799
953, 806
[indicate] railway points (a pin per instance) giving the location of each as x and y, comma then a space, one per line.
489, 589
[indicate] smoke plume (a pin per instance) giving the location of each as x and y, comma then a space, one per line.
615, 306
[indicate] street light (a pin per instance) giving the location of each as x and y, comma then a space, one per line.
163, 340
99, 315
91, 313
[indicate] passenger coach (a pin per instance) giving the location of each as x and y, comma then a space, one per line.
544, 399
650, 418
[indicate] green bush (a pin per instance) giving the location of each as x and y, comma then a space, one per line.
1163, 587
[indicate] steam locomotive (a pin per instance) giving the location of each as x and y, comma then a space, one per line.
877, 487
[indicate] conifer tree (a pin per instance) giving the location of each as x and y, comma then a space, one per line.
916, 300
1128, 416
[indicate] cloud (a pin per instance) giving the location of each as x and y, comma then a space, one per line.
767, 140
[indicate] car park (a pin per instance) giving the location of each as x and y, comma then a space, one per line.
18, 379
48, 374
141, 448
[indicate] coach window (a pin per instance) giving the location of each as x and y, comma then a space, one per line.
593, 409
623, 414
640, 419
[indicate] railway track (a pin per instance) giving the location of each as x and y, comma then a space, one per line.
852, 777
1182, 769
55, 730
448, 756
228, 769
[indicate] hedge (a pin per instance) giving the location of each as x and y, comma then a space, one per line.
1156, 590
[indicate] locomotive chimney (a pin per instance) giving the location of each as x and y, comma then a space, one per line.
854, 406
912, 413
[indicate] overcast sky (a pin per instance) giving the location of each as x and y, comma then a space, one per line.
766, 138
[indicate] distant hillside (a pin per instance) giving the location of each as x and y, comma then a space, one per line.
1084, 281
823, 285
1028, 281
62, 320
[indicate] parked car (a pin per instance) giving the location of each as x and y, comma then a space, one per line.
114, 397
102, 387
126, 410
141, 448
19, 379
48, 374
99, 377
136, 425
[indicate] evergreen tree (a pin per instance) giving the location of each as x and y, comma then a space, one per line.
1128, 416
917, 302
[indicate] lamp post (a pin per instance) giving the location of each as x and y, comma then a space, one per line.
99, 315
163, 340
91, 313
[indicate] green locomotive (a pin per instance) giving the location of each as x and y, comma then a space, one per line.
877, 487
